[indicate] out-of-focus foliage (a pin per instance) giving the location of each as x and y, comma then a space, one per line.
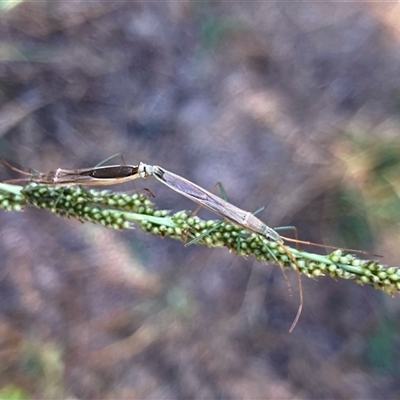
371, 186
381, 348
6, 5
11, 392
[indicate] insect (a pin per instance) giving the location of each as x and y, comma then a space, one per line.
102, 175
221, 207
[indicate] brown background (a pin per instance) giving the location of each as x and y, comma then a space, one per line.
293, 106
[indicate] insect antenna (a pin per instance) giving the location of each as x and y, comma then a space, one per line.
20, 171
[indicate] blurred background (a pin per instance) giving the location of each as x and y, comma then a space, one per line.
293, 106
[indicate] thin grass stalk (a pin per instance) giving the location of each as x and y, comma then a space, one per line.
118, 210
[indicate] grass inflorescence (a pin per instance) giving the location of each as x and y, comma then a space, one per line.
121, 210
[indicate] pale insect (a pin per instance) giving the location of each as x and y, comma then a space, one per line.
221, 207
209, 200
